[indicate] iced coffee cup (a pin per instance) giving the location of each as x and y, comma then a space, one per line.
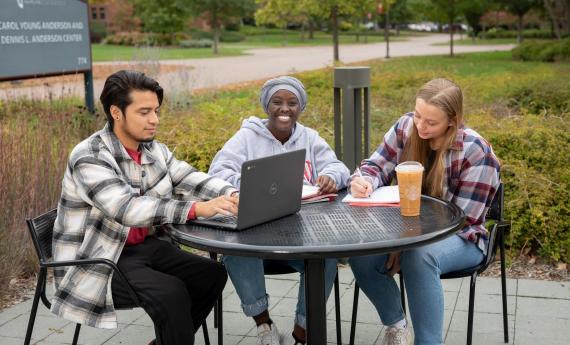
410, 187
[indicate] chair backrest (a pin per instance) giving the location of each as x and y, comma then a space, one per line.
495, 211
496, 214
41, 231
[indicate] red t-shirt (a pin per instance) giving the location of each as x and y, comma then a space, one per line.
137, 235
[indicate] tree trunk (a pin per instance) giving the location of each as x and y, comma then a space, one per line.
553, 19
334, 17
216, 32
520, 29
566, 16
451, 37
311, 29
387, 33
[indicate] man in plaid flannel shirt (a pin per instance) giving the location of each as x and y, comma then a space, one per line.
119, 184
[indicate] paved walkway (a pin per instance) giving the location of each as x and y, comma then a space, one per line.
263, 64
539, 314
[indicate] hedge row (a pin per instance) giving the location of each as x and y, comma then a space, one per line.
550, 51
195, 39
529, 33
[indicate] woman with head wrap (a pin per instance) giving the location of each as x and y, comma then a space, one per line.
283, 99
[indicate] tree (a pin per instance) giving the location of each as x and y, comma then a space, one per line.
386, 9
218, 11
285, 12
400, 13
447, 10
162, 16
332, 10
473, 11
520, 8
559, 13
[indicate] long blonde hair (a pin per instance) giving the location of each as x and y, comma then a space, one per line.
447, 96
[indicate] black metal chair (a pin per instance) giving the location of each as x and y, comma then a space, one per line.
275, 267
496, 240
41, 230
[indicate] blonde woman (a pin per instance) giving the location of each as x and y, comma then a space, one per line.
460, 167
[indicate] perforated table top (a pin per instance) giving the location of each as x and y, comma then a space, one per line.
331, 229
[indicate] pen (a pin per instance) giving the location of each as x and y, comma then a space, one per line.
360, 174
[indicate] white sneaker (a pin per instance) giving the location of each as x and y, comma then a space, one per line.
267, 334
398, 336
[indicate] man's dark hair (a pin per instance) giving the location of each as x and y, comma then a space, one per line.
118, 87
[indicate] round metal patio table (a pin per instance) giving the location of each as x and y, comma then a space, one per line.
328, 229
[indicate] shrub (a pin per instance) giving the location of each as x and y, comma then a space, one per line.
97, 31
234, 25
345, 26
529, 33
35, 141
542, 98
225, 36
260, 31
201, 43
552, 51
145, 39
520, 108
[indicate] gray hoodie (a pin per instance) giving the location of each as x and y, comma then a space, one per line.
254, 140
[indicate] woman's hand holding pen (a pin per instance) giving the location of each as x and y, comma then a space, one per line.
360, 187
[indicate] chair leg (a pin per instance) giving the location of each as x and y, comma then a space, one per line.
220, 321
214, 257
354, 314
337, 310
205, 331
402, 292
76, 333
471, 308
39, 284
504, 287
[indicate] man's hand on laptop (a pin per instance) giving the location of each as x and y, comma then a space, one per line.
225, 205
326, 184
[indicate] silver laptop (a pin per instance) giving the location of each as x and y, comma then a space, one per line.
270, 188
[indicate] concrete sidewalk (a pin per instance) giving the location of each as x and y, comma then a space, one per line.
259, 63
539, 313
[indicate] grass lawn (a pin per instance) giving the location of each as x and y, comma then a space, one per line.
103, 52
294, 39
467, 41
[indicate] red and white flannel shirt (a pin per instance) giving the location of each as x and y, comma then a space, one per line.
471, 173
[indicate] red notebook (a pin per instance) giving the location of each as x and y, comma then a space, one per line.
311, 195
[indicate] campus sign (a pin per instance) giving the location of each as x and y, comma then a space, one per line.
43, 37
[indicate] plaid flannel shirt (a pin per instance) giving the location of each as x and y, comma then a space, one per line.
471, 173
104, 193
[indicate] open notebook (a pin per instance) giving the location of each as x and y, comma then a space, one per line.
383, 196
311, 194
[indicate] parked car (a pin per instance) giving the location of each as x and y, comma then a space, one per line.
424, 26
457, 27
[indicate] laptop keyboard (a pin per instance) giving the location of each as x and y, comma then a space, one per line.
224, 219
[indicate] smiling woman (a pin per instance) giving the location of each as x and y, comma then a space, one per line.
283, 99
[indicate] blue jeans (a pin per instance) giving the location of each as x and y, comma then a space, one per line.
421, 268
247, 275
